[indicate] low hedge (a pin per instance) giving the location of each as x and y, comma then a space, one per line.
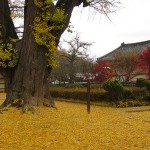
134, 93
80, 94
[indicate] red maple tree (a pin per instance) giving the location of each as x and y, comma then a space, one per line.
145, 60
102, 71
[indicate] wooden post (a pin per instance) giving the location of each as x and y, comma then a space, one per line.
88, 96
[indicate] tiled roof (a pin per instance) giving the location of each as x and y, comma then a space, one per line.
130, 47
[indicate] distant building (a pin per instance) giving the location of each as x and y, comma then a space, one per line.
137, 47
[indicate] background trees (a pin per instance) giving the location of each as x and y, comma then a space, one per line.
125, 65
80, 68
74, 62
77, 51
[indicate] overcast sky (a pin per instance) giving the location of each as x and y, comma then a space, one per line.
130, 24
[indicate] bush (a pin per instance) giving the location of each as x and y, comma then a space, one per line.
114, 88
147, 98
148, 85
128, 93
138, 93
141, 82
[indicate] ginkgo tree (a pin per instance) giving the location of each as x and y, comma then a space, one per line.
44, 23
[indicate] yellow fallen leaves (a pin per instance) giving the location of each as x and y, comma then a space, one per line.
71, 128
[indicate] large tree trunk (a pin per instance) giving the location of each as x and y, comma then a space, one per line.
30, 81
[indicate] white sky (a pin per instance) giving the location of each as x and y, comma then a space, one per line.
130, 24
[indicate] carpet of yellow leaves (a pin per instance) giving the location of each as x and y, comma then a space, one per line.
71, 128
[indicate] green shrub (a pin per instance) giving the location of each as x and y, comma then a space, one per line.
138, 93
114, 88
135, 93
148, 85
147, 98
128, 93
141, 82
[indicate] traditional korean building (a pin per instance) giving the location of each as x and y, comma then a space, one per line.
137, 47
129, 47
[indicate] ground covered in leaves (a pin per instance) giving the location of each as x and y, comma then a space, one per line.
71, 128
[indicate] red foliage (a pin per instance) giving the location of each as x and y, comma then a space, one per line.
102, 71
145, 59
